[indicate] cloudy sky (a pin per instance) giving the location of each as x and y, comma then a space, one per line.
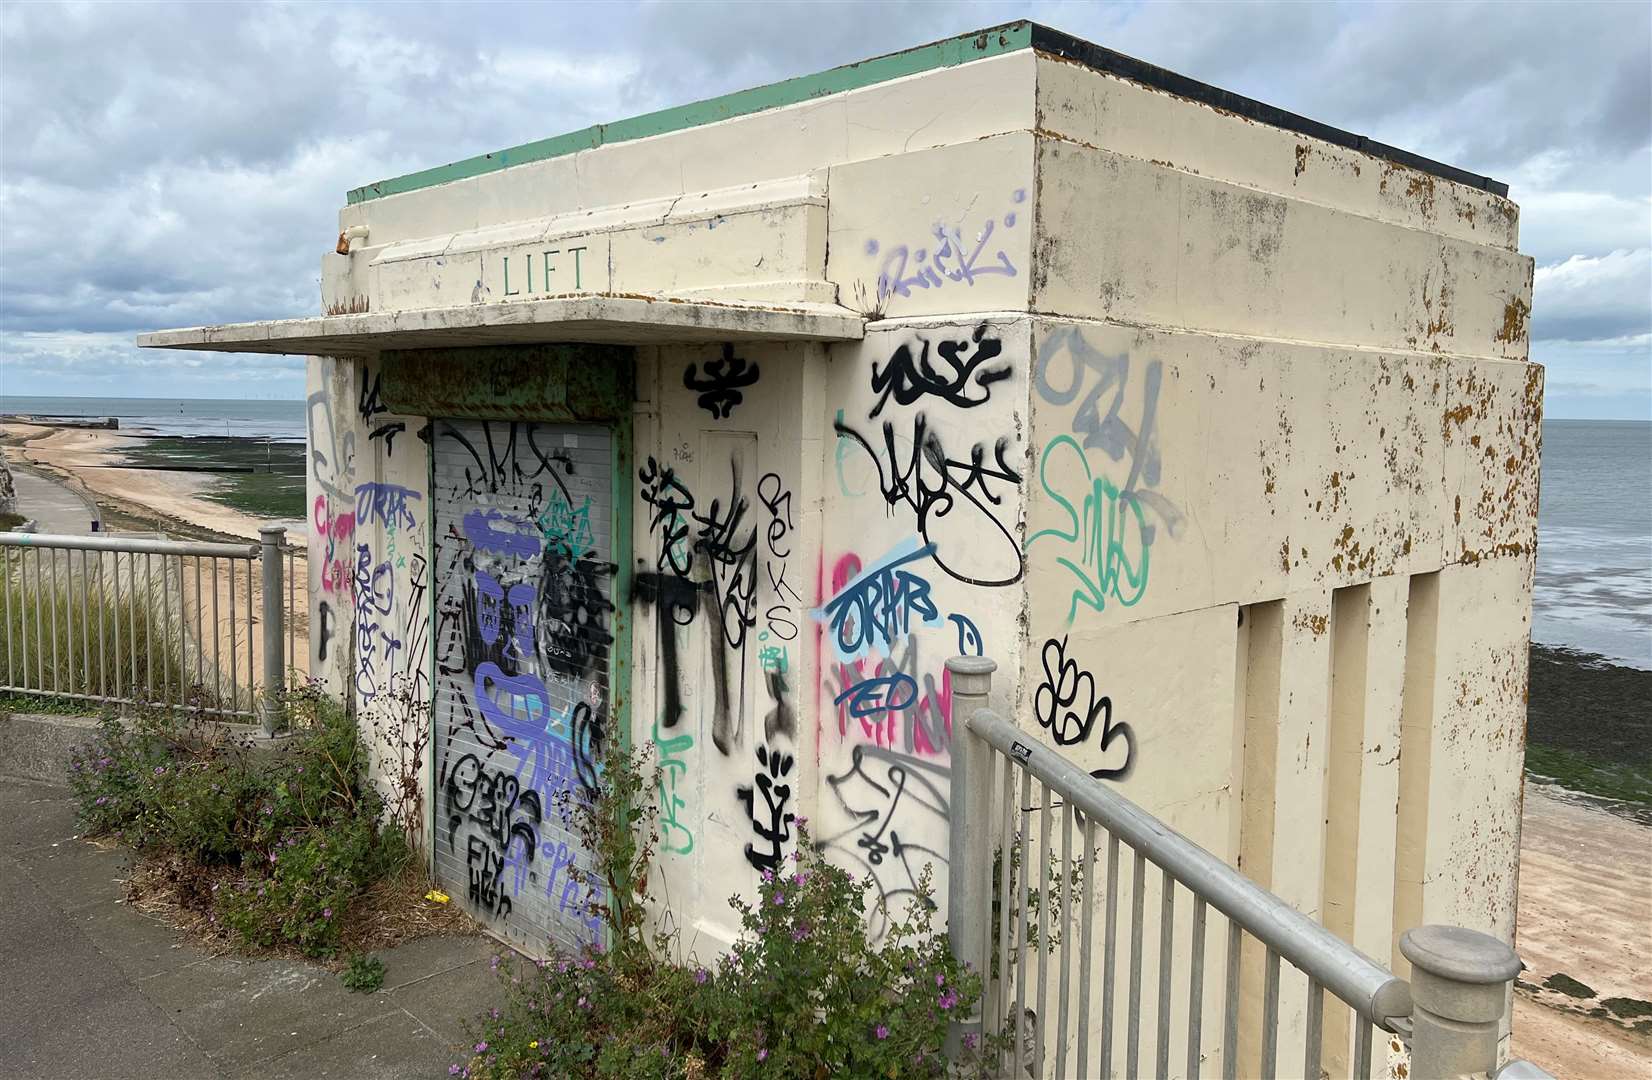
177, 165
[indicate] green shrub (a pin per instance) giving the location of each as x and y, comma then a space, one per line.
295, 838
803, 993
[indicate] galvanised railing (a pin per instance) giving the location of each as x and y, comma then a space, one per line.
132, 622
1448, 1017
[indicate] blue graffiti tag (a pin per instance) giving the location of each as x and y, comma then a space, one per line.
875, 609
481, 529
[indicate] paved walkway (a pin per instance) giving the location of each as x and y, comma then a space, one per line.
59, 508
93, 989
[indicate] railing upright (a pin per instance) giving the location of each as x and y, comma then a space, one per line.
969, 902
275, 608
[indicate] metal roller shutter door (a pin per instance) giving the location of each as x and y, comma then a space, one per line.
524, 573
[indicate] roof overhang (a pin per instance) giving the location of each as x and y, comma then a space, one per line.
580, 317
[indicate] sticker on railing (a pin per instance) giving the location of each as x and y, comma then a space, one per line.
1020, 751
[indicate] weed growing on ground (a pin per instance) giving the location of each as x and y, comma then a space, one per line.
363, 974
290, 838
803, 993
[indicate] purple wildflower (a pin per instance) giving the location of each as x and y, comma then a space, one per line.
940, 979
949, 999
883, 1032
971, 1040
481, 1048
453, 1070
700, 976
102, 799
762, 1055
779, 898
326, 913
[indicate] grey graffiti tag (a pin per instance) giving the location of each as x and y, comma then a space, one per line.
1111, 433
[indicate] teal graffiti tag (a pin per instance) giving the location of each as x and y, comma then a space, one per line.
567, 530
1107, 531
675, 837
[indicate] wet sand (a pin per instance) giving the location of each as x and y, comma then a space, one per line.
1585, 925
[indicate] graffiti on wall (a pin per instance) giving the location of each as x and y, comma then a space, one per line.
966, 382
369, 407
780, 628
955, 499
946, 258
1068, 706
767, 800
888, 798
1105, 542
721, 382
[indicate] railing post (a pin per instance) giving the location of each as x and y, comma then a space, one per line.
1459, 983
275, 635
969, 854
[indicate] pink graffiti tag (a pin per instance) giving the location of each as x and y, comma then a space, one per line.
335, 534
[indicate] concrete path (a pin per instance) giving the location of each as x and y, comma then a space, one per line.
93, 990
59, 508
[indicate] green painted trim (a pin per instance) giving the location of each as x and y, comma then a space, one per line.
619, 657
432, 593
994, 41
620, 690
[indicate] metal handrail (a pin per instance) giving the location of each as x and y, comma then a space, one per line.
135, 545
1448, 1016
1376, 993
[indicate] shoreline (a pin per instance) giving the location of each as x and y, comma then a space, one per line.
97, 461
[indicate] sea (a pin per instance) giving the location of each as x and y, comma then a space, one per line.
1593, 590
1594, 540
279, 421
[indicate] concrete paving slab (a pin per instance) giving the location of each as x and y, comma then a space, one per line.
94, 989
393, 1047
430, 956
140, 946
244, 1012
59, 1002
76, 873
34, 815
446, 1003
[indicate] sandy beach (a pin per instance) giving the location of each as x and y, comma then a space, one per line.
82, 456
176, 502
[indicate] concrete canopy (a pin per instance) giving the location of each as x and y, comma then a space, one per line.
582, 317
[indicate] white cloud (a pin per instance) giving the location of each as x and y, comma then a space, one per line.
179, 164
1587, 298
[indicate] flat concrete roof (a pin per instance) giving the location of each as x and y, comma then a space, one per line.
977, 45
577, 317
